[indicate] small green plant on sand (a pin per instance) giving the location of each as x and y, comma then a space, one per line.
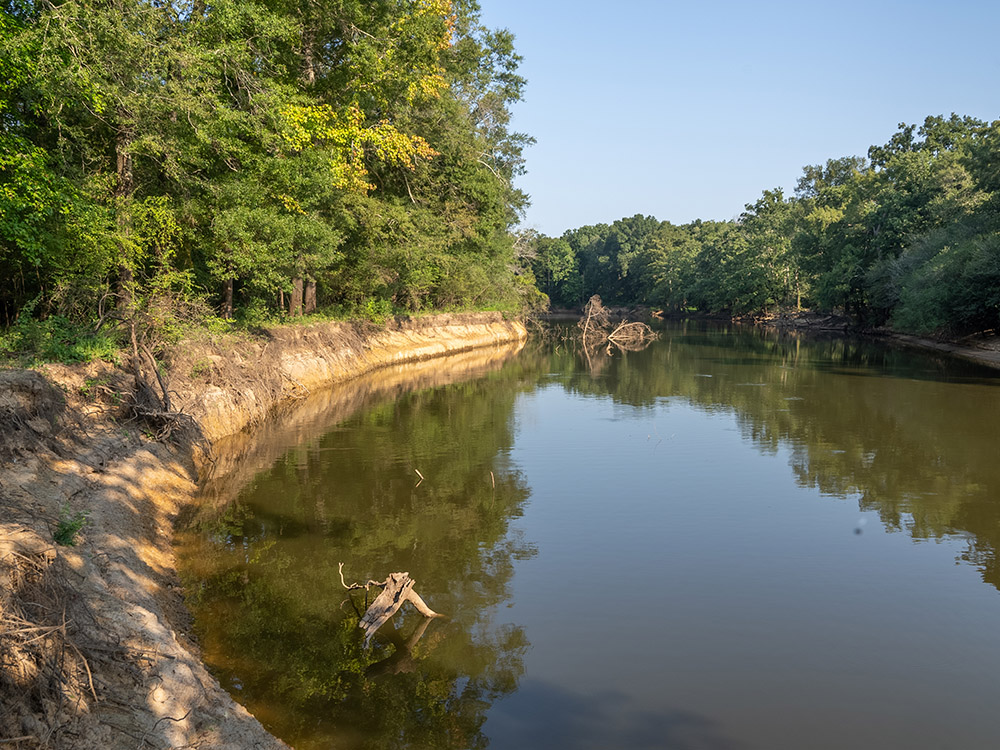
202, 367
94, 388
69, 526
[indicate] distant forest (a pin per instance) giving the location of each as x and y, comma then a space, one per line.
907, 237
259, 158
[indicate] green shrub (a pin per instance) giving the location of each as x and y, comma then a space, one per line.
56, 339
69, 526
377, 310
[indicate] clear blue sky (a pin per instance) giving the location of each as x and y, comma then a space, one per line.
689, 110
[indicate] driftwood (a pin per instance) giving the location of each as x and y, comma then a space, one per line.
396, 589
596, 320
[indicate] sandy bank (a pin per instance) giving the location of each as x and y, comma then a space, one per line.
92, 645
982, 350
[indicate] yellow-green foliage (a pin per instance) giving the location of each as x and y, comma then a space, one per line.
347, 139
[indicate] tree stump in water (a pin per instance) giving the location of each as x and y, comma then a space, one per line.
396, 589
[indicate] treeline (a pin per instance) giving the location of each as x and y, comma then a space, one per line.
909, 236
258, 156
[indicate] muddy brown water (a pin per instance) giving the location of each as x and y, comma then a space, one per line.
733, 539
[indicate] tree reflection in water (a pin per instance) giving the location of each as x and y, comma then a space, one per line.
911, 435
281, 632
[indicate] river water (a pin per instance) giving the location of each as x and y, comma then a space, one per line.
731, 539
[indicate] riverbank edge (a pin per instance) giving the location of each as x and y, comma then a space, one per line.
111, 608
986, 351
982, 349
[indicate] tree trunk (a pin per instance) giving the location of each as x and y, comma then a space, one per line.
123, 191
310, 297
227, 299
123, 161
295, 307
308, 58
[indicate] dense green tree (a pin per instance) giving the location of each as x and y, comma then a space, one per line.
358, 150
587, 243
674, 272
942, 274
556, 273
771, 275
828, 239
628, 247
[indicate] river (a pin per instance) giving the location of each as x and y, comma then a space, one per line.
731, 539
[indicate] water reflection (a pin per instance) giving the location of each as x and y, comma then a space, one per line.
280, 631
547, 715
911, 434
762, 616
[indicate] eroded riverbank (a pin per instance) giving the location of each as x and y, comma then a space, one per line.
93, 635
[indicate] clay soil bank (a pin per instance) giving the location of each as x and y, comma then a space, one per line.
93, 651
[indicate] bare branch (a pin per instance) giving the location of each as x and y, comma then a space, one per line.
354, 586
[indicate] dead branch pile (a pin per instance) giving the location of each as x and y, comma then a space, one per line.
597, 329
632, 336
148, 328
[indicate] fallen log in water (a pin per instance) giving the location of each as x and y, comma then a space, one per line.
396, 589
